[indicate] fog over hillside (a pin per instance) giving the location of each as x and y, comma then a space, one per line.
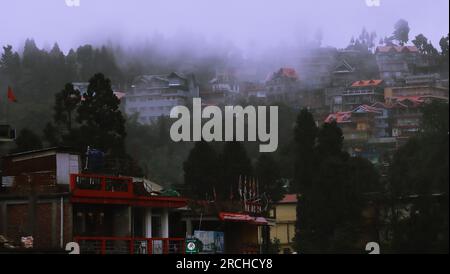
249, 24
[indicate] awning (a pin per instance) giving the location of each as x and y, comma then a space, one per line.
235, 217
240, 217
260, 221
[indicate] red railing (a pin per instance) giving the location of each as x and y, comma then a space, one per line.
100, 189
89, 185
127, 245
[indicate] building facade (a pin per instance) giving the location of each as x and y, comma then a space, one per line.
282, 85
152, 96
396, 62
362, 92
285, 218
222, 89
45, 195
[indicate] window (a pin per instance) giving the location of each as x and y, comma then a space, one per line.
361, 126
273, 213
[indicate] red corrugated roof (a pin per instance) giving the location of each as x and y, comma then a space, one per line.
367, 83
346, 116
240, 217
339, 117
367, 108
289, 199
289, 72
397, 48
283, 72
119, 94
380, 105
414, 100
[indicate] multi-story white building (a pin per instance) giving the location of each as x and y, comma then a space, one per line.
222, 89
153, 96
396, 62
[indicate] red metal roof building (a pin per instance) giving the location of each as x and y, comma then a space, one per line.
396, 49
282, 85
363, 92
396, 62
289, 199
45, 195
284, 213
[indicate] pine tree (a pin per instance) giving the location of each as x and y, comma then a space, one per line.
268, 175
201, 171
305, 134
102, 124
401, 32
27, 140
10, 65
234, 163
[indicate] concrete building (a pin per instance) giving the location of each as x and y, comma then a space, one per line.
45, 194
153, 96
285, 216
343, 76
396, 62
283, 86
254, 91
361, 92
366, 130
316, 66
223, 88
392, 93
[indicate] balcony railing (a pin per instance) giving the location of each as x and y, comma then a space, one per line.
101, 186
94, 189
127, 245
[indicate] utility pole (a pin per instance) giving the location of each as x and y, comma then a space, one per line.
32, 206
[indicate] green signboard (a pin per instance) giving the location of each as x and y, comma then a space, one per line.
192, 246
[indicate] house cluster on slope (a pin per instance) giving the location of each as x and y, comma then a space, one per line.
375, 98
49, 197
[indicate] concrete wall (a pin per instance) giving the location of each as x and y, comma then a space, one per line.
16, 221
66, 164
284, 230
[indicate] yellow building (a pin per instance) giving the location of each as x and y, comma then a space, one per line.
412, 91
284, 228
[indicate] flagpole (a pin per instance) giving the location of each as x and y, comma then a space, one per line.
7, 112
4, 113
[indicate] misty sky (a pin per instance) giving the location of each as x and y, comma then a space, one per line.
245, 23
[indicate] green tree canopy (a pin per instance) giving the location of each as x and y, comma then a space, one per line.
234, 163
102, 124
305, 134
329, 209
419, 185
401, 32
201, 171
268, 174
27, 140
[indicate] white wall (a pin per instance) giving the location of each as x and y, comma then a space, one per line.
66, 164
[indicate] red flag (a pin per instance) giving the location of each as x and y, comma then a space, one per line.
11, 96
